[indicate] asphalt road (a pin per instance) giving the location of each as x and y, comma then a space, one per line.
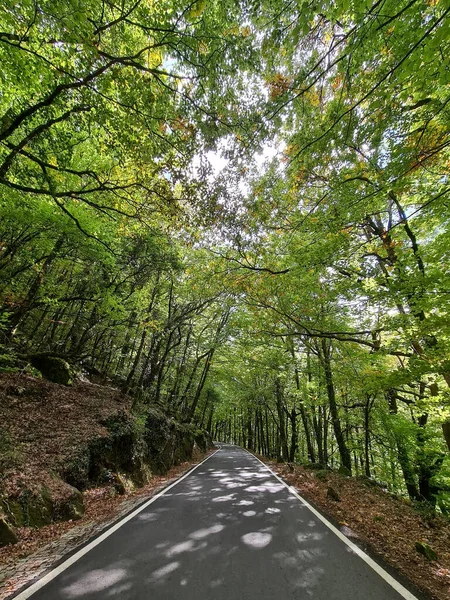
229, 531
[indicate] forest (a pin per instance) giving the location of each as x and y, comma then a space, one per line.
238, 212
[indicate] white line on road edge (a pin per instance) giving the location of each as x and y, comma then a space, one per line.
398, 587
75, 557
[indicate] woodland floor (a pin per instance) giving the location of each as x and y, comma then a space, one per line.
37, 418
39, 549
386, 525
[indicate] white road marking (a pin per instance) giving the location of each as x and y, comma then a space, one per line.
75, 557
398, 587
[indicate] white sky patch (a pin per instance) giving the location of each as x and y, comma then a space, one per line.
217, 162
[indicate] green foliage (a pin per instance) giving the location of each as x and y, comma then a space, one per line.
296, 305
7, 356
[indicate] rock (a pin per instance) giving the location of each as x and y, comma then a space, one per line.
366, 480
159, 438
426, 551
433, 523
70, 507
202, 440
122, 450
37, 507
369, 482
344, 471
119, 484
7, 535
184, 439
141, 474
14, 511
52, 368
314, 466
76, 472
332, 493
57, 501
322, 475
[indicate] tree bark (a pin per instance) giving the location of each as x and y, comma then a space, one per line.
342, 446
402, 453
282, 425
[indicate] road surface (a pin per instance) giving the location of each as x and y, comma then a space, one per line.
229, 531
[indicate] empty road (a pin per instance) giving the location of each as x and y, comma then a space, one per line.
230, 530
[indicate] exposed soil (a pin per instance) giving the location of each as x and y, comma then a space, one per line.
387, 525
37, 425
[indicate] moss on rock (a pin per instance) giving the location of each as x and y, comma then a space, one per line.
14, 510
70, 507
7, 535
37, 507
426, 551
53, 368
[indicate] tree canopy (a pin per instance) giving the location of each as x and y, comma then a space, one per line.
238, 211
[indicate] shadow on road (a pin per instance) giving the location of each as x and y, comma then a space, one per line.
230, 530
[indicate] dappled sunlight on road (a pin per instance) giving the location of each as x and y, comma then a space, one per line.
257, 539
188, 546
164, 571
202, 533
230, 530
97, 580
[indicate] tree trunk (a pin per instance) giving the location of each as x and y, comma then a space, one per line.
367, 408
402, 453
304, 416
446, 432
326, 362
282, 425
249, 431
294, 435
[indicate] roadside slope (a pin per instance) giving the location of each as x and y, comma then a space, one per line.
57, 442
387, 525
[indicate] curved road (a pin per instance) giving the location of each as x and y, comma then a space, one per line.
230, 530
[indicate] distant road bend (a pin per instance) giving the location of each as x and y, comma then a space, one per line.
230, 530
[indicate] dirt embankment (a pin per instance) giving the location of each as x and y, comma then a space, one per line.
57, 441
